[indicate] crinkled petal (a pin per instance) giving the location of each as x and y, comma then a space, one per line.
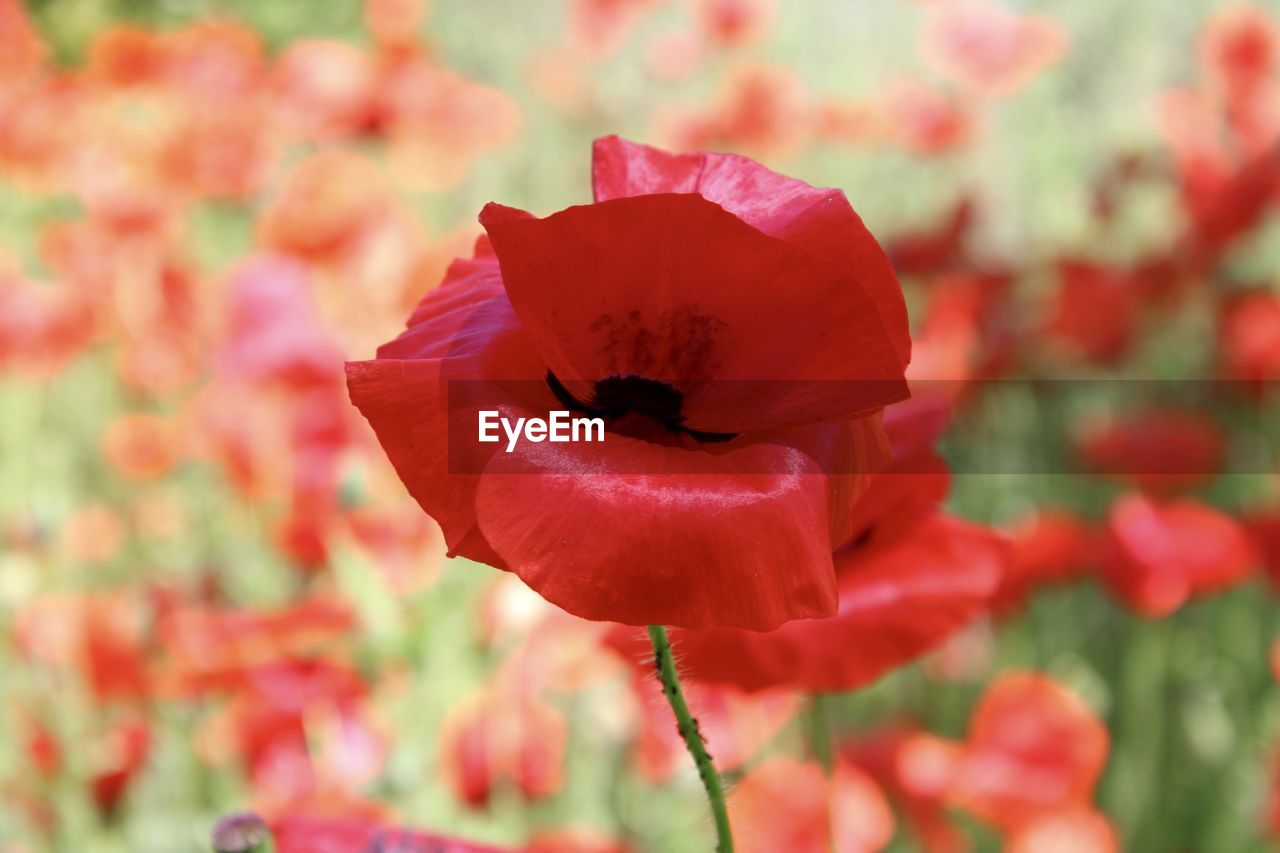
643, 533
463, 347
898, 600
817, 219
754, 332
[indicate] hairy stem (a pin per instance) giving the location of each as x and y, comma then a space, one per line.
688, 728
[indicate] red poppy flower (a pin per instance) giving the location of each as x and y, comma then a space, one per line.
394, 24
116, 759
1249, 338
1032, 749
784, 804
142, 446
326, 203
220, 648
496, 737
41, 327
962, 335
598, 27
938, 248
24, 52
923, 119
1094, 311
1159, 555
325, 87
113, 756
215, 59
763, 109
1072, 829
125, 56
1240, 49
1048, 547
989, 49
437, 122
915, 769
1156, 449
273, 331
732, 22
102, 636
738, 331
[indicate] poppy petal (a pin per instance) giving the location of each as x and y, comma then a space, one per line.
817, 219
691, 538
897, 601
463, 332
753, 332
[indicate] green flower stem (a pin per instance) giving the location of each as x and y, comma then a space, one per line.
688, 728
819, 731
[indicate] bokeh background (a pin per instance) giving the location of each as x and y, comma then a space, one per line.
216, 596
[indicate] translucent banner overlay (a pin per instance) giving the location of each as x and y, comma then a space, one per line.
1105, 427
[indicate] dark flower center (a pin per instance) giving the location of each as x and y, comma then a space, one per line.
618, 396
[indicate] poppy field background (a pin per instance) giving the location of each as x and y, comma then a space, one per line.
216, 595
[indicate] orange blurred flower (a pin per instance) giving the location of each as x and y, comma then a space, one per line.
1033, 749
142, 446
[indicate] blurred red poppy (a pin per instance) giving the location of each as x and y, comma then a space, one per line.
733, 22
273, 333
598, 27
1160, 554
762, 109
394, 24
731, 393
218, 648
438, 122
324, 206
503, 736
1033, 749
102, 636
915, 769
1161, 449
1094, 311
1049, 546
41, 326
142, 446
1240, 49
1249, 338
989, 49
963, 336
784, 804
24, 52
325, 88
936, 249
1078, 828
924, 119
